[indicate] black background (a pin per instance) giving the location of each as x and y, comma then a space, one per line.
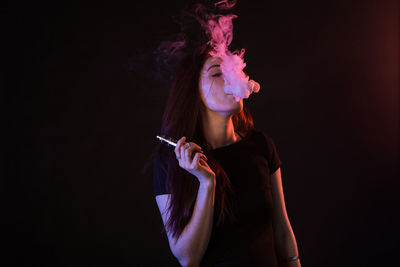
83, 105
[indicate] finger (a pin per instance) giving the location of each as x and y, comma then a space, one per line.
196, 146
181, 142
188, 154
182, 154
195, 162
177, 149
191, 147
202, 162
203, 156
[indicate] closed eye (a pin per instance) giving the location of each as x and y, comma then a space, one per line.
219, 74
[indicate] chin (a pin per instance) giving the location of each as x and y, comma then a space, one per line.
229, 108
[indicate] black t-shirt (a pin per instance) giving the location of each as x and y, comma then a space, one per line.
248, 164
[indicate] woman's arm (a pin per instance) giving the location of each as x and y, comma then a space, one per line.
285, 240
191, 245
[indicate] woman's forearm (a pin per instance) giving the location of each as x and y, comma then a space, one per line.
192, 243
286, 247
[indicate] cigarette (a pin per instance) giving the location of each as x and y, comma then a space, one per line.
172, 142
169, 141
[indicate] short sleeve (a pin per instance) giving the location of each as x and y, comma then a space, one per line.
159, 177
274, 160
269, 150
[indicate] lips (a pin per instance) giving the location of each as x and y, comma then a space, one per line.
237, 99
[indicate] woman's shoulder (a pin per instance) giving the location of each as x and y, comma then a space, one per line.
255, 132
260, 137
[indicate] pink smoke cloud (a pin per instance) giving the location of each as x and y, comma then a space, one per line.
219, 28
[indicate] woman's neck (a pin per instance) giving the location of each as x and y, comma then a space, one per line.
218, 129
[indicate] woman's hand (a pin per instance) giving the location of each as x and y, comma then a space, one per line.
196, 165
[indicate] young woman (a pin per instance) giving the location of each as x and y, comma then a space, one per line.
219, 190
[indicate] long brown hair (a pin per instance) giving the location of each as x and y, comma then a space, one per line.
183, 116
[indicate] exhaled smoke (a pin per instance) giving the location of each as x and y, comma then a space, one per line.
219, 29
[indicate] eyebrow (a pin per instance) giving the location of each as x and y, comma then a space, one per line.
215, 65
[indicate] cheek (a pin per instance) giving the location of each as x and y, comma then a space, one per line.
220, 84
205, 88
218, 90
213, 92
214, 96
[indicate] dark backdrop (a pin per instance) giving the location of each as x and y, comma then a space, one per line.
84, 103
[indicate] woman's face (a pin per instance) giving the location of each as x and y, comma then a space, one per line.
211, 84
